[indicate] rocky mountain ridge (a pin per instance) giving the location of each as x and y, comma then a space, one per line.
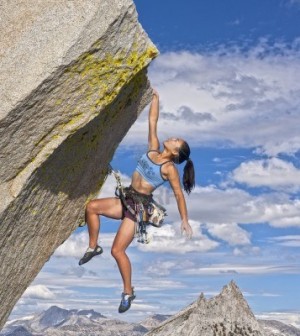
58, 321
226, 314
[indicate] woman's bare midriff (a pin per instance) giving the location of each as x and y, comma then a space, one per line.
140, 185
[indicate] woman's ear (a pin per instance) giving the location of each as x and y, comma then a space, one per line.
175, 153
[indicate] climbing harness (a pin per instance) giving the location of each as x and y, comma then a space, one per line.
146, 211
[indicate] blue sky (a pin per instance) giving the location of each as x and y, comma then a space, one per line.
200, 24
228, 81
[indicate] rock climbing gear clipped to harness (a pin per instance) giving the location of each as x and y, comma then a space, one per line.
141, 226
157, 214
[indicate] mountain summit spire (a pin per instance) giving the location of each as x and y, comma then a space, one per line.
226, 314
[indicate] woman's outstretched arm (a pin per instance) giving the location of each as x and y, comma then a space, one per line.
153, 118
174, 180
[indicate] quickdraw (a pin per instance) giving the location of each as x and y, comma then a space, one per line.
141, 226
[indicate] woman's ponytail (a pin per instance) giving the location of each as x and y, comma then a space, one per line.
188, 179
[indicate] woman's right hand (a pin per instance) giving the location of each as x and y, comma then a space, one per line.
155, 93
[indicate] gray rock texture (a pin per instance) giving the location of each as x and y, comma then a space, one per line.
73, 80
227, 314
154, 321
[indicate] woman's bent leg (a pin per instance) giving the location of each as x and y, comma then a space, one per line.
108, 207
122, 240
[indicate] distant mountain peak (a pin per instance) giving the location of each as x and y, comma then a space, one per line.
226, 314
232, 286
55, 309
201, 297
231, 289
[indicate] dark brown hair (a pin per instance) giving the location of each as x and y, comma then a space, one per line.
188, 179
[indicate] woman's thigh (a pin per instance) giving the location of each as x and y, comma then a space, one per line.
109, 207
124, 235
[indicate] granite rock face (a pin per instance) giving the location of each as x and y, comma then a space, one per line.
227, 314
154, 321
73, 80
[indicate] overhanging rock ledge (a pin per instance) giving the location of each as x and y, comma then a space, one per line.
73, 81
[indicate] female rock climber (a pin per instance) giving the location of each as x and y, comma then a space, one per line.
154, 168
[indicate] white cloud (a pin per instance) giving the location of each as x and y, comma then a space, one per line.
76, 244
246, 251
157, 284
263, 294
238, 206
161, 268
292, 318
168, 239
236, 98
229, 232
273, 173
38, 292
289, 241
236, 22
293, 2
243, 269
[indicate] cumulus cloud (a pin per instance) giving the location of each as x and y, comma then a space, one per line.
38, 292
168, 239
215, 206
186, 113
77, 243
229, 232
229, 96
273, 173
73, 246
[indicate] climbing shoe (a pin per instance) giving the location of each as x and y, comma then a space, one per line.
126, 301
90, 254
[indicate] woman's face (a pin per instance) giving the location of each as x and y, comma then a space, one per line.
173, 143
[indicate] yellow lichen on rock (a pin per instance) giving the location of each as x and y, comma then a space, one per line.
101, 80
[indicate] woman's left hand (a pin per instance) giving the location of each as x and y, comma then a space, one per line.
185, 227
